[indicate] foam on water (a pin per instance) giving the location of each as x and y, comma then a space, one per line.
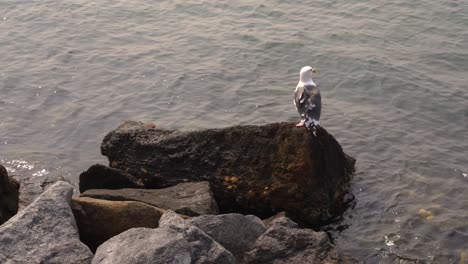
13, 165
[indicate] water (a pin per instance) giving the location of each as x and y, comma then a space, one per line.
393, 77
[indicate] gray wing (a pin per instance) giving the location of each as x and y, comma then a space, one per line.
308, 102
300, 100
315, 106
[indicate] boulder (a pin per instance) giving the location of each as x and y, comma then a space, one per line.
173, 220
284, 242
205, 249
99, 220
190, 199
260, 170
102, 177
9, 195
235, 232
44, 232
145, 246
267, 222
33, 186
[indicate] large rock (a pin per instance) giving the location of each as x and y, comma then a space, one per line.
102, 177
190, 199
9, 195
33, 186
44, 232
205, 249
284, 243
236, 232
145, 246
99, 220
252, 169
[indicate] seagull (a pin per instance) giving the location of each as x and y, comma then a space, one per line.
307, 99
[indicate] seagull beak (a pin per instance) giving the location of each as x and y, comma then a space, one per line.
314, 70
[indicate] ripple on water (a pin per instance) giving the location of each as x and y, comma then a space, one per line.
23, 169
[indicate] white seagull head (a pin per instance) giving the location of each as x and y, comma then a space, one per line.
305, 76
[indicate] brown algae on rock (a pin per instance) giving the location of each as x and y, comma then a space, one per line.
234, 179
464, 257
426, 214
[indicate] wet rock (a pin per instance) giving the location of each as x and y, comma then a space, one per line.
190, 199
205, 249
9, 195
426, 214
284, 242
145, 246
235, 232
102, 177
99, 220
260, 170
464, 257
386, 257
44, 232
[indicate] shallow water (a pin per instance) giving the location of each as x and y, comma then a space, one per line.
393, 78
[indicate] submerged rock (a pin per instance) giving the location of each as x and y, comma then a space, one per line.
236, 232
99, 220
101, 177
205, 249
426, 214
284, 242
192, 199
385, 257
260, 170
44, 232
9, 195
145, 246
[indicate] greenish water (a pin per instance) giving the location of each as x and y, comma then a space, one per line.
393, 77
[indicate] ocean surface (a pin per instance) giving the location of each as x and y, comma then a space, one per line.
393, 77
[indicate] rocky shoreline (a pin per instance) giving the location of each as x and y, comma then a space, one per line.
187, 197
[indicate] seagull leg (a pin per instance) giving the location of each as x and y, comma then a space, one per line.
300, 124
150, 125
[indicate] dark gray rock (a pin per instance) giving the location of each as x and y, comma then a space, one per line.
9, 195
145, 246
102, 177
284, 242
33, 186
192, 199
257, 170
44, 232
235, 232
205, 249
